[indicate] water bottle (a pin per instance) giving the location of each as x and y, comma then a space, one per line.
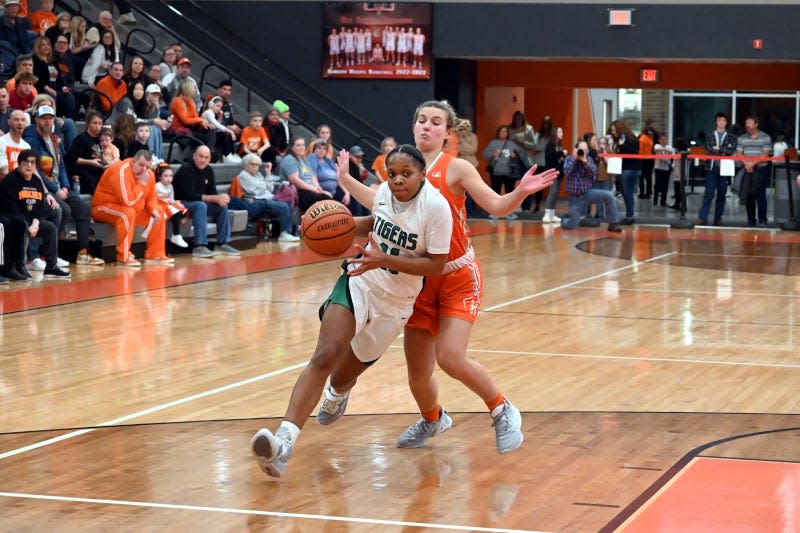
76, 185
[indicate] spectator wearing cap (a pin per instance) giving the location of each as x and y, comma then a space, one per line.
53, 171
16, 30
152, 115
113, 86
154, 76
279, 142
184, 72
283, 109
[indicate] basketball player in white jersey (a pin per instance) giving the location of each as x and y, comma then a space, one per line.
333, 49
411, 228
360, 47
401, 46
419, 45
349, 46
390, 46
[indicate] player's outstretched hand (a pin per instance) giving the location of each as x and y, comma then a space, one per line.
343, 163
369, 258
532, 182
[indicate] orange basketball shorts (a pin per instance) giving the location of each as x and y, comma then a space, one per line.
457, 294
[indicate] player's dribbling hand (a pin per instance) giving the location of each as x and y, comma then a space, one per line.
369, 257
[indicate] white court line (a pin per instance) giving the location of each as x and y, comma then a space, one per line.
372, 521
637, 358
151, 410
572, 284
692, 291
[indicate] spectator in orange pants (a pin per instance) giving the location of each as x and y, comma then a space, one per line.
126, 197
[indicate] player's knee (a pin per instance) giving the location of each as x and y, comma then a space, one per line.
324, 358
451, 362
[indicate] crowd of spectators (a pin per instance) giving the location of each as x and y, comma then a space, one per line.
69, 71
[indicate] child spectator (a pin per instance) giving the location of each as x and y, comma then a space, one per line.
379, 165
166, 196
254, 138
22, 96
225, 135
109, 153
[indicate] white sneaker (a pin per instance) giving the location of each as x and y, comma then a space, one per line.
287, 237
548, 216
507, 423
177, 240
232, 158
272, 451
420, 431
38, 264
61, 263
554, 218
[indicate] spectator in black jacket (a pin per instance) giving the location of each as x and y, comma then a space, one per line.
22, 194
196, 189
84, 162
16, 31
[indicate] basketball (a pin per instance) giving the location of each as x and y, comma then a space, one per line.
328, 228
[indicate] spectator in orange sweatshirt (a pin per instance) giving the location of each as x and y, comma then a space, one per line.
126, 198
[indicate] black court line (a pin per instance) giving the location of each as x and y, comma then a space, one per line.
354, 415
651, 491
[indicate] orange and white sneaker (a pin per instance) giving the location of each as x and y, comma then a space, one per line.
86, 259
130, 263
163, 260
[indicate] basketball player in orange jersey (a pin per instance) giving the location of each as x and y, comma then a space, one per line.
438, 331
374, 297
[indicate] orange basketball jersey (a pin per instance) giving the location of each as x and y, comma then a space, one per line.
437, 175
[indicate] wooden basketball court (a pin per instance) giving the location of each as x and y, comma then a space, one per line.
657, 372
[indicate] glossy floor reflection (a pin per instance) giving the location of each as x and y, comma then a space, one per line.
130, 397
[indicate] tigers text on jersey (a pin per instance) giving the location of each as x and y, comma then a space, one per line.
423, 225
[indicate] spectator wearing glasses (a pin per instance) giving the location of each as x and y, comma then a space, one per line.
258, 198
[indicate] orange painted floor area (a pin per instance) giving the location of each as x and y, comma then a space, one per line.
725, 495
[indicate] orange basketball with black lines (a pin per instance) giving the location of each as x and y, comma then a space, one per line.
328, 228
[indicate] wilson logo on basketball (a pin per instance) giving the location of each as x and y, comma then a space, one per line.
325, 207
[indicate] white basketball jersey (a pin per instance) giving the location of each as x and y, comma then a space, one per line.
424, 226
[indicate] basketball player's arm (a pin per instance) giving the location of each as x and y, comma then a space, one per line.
372, 257
472, 182
363, 225
364, 194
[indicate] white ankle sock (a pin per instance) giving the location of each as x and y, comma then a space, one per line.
293, 430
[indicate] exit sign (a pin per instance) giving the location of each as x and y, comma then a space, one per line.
620, 17
648, 75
